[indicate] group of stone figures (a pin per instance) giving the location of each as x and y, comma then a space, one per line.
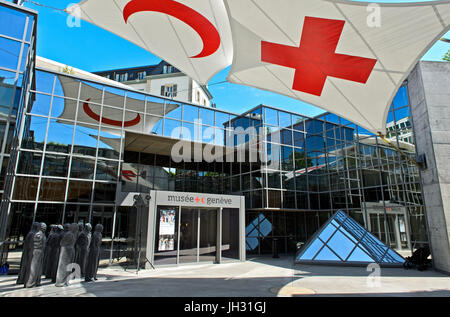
58, 256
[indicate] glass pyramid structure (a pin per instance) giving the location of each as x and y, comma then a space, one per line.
341, 240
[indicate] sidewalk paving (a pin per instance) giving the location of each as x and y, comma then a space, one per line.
257, 277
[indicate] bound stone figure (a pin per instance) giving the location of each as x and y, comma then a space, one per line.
37, 260
54, 254
48, 248
94, 254
82, 248
66, 255
27, 254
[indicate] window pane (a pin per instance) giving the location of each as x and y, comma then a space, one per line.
109, 145
59, 137
56, 165
9, 54
82, 168
190, 113
52, 189
44, 82
271, 116
207, 116
34, 133
12, 23
107, 170
41, 104
79, 191
29, 163
85, 142
25, 188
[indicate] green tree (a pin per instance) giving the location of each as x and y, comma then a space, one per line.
446, 56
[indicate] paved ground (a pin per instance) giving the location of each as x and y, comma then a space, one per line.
258, 277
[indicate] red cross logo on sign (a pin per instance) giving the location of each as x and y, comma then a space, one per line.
316, 58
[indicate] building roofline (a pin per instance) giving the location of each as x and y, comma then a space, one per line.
18, 7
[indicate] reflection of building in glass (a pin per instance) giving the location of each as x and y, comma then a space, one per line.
82, 141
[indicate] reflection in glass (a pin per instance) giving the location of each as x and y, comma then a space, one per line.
56, 165
188, 235
230, 236
29, 163
41, 104
59, 137
34, 133
208, 235
25, 188
79, 191
52, 189
82, 168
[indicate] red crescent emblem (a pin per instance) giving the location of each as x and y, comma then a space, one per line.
205, 29
203, 199
117, 123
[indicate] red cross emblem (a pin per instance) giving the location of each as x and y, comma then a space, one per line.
197, 200
128, 174
316, 58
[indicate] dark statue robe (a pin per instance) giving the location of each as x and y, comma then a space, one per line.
48, 248
94, 254
27, 254
54, 255
66, 255
37, 260
82, 248
51, 247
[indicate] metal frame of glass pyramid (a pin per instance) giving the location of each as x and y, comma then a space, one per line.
343, 241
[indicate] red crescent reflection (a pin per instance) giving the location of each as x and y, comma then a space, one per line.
117, 123
205, 29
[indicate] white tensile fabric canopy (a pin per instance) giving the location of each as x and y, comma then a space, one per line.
346, 57
192, 35
333, 54
90, 112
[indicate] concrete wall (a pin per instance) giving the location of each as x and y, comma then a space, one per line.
429, 93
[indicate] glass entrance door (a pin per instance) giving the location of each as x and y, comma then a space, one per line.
208, 235
188, 236
198, 235
396, 226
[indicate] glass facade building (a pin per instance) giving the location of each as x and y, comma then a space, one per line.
66, 157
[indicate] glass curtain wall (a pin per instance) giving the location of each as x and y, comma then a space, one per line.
319, 165
17, 54
70, 161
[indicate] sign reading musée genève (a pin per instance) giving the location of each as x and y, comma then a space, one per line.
197, 199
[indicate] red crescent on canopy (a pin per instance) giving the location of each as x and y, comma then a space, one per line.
204, 28
117, 123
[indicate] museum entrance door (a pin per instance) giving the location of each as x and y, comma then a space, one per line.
198, 235
396, 229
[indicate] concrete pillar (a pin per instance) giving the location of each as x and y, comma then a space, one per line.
429, 94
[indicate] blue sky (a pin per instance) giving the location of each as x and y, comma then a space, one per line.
92, 49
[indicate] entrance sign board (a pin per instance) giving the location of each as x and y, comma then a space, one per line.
164, 233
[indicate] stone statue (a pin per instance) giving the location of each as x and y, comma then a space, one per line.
27, 254
37, 260
94, 254
48, 247
66, 255
82, 248
54, 254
